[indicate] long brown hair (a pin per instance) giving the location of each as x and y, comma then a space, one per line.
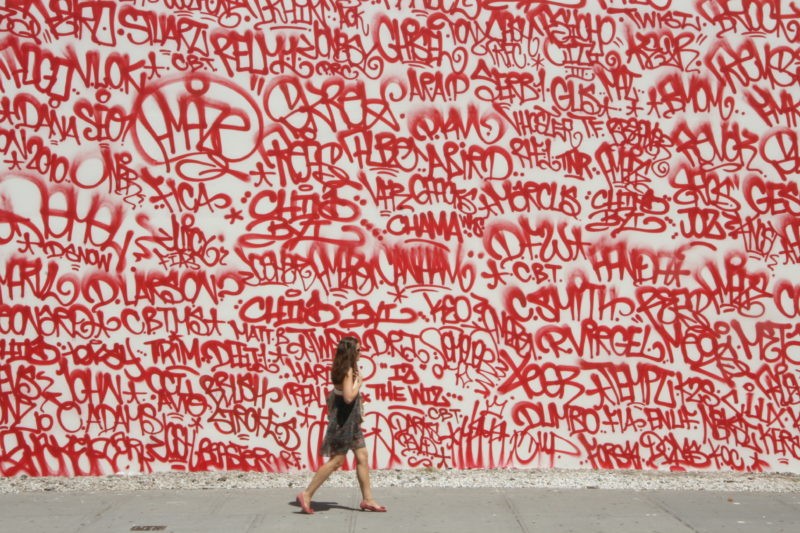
345, 359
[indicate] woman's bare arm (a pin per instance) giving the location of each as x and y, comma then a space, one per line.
350, 386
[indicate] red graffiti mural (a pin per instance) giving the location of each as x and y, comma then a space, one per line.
567, 233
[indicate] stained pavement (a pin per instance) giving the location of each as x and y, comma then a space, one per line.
411, 510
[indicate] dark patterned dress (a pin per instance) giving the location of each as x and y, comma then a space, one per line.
344, 426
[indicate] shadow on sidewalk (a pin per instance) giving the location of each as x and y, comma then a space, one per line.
321, 507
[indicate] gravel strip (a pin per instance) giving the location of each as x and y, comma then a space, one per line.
550, 479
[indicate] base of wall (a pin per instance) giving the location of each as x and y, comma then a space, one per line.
551, 478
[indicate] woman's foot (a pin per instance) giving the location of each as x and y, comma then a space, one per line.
305, 504
372, 505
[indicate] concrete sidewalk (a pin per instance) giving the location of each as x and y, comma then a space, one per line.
411, 510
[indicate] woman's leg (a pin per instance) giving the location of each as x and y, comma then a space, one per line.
362, 471
324, 472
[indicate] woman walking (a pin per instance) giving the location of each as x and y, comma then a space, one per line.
344, 428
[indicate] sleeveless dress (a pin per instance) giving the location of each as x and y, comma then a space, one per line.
344, 426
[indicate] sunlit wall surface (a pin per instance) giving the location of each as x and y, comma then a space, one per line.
566, 232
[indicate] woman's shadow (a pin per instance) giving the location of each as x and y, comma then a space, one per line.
318, 506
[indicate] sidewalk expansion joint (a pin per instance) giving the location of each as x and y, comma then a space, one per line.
667, 510
514, 511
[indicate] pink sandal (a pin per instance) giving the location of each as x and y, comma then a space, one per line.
374, 508
302, 502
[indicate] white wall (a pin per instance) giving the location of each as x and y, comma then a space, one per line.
566, 236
